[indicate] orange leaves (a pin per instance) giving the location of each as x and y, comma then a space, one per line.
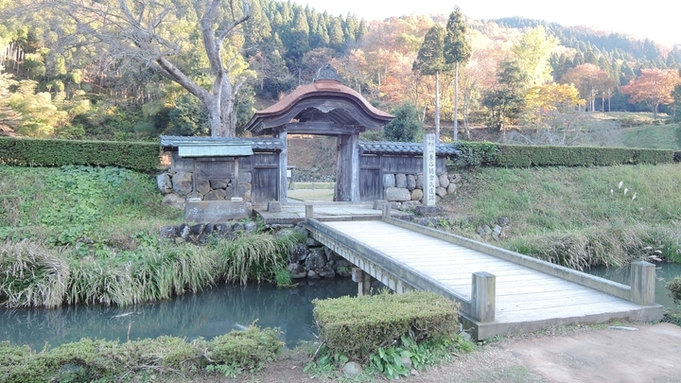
653, 86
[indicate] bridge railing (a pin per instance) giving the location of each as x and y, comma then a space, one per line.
641, 289
400, 277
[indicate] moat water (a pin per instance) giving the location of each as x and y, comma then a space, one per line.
664, 272
217, 311
207, 314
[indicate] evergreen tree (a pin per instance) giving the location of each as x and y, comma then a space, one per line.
430, 61
406, 126
506, 101
336, 36
457, 51
351, 27
590, 57
578, 59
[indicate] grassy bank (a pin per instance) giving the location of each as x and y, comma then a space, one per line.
81, 235
576, 216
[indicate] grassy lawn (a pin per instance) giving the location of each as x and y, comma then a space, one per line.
576, 216
652, 136
311, 194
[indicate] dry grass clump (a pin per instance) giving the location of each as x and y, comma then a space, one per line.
31, 276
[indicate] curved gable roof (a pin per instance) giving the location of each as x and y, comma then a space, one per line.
346, 101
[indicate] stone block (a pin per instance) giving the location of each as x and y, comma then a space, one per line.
410, 204
429, 210
451, 188
316, 259
297, 271
216, 211
298, 253
182, 183
174, 200
203, 186
219, 184
417, 195
411, 182
420, 178
169, 231
444, 181
440, 191
401, 181
216, 195
250, 227
274, 207
388, 180
397, 194
165, 185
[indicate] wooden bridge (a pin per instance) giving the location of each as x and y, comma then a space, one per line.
500, 292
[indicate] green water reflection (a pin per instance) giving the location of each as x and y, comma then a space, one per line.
207, 314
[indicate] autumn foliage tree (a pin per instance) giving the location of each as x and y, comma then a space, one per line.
589, 79
653, 87
550, 109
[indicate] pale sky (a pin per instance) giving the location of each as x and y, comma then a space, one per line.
656, 20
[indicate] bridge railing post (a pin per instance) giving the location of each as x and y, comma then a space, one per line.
309, 211
483, 296
386, 210
643, 283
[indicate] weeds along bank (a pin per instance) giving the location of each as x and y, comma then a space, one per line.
574, 216
85, 235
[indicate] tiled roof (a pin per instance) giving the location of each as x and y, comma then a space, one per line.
257, 143
385, 147
275, 144
321, 88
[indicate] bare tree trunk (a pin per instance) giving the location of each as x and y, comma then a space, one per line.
437, 107
455, 135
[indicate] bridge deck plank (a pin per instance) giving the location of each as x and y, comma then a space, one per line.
523, 294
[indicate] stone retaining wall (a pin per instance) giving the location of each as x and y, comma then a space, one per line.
406, 190
179, 186
309, 260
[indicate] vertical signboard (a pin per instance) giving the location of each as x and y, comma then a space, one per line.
429, 169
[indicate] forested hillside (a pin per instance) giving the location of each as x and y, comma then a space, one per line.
100, 70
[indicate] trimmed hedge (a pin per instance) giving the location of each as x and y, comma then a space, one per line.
140, 156
110, 361
357, 327
517, 156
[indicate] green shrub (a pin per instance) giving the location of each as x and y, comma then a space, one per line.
527, 156
357, 327
97, 360
674, 288
35, 152
476, 153
520, 156
244, 350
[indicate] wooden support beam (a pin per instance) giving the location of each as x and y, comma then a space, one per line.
483, 296
283, 162
363, 281
643, 283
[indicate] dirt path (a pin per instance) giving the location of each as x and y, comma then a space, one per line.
651, 353
648, 354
